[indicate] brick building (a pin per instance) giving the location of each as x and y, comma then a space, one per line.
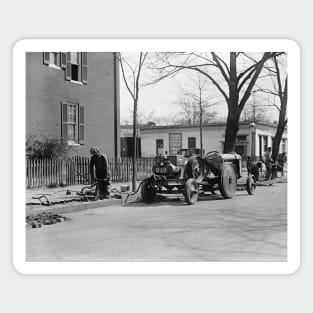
74, 95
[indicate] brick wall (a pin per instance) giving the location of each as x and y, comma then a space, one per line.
47, 88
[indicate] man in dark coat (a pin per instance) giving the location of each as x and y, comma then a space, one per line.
268, 163
282, 159
99, 172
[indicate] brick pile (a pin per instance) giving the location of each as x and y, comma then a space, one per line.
44, 218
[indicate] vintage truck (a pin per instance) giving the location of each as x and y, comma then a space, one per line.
196, 175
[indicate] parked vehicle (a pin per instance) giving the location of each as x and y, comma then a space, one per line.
195, 175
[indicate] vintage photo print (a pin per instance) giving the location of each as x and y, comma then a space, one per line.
156, 156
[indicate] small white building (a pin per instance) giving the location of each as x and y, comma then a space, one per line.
253, 139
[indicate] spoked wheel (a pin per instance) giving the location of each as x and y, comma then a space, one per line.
194, 169
191, 191
147, 191
227, 181
251, 184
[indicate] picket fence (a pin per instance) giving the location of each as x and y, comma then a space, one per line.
74, 171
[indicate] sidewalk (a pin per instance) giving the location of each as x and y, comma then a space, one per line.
66, 200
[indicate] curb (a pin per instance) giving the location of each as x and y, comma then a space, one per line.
73, 207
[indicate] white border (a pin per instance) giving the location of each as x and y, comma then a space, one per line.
132, 45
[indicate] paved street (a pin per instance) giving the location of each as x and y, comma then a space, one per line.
245, 228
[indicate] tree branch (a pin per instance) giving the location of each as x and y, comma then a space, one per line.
257, 72
124, 77
220, 67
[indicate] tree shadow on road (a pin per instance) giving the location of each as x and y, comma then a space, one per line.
173, 200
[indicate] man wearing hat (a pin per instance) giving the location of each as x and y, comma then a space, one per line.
99, 172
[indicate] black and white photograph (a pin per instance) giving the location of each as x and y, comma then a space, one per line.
153, 158
156, 157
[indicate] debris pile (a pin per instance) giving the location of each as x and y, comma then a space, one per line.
45, 218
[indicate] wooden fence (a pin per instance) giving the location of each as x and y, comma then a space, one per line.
74, 171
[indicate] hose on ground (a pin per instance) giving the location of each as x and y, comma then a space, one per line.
133, 193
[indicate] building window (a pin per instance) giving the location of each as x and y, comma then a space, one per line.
55, 58
159, 146
192, 142
52, 59
73, 124
75, 66
265, 143
242, 138
260, 147
284, 145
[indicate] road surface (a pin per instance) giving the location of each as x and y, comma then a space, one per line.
245, 228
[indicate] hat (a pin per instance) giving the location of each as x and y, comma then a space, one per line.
94, 150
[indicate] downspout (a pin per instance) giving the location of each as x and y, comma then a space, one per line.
115, 106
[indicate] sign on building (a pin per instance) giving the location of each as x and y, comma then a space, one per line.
175, 143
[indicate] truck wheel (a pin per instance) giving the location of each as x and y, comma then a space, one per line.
191, 191
251, 184
227, 181
194, 169
147, 191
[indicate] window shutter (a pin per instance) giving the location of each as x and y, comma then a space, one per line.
81, 125
84, 67
63, 59
79, 61
68, 70
64, 131
46, 58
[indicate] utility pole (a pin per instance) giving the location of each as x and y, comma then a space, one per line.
253, 106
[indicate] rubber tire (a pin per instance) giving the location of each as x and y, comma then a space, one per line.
227, 181
191, 191
148, 193
251, 184
192, 165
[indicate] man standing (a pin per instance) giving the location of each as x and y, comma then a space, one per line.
282, 159
99, 172
268, 162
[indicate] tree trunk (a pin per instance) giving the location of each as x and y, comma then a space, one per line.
281, 121
234, 110
277, 140
134, 146
232, 128
201, 128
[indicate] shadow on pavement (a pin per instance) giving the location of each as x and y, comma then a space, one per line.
174, 201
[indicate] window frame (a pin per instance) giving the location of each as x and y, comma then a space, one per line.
64, 61
47, 60
75, 115
78, 67
265, 143
159, 146
241, 138
284, 145
195, 142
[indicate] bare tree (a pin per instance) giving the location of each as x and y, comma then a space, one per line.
238, 76
196, 104
132, 83
279, 89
